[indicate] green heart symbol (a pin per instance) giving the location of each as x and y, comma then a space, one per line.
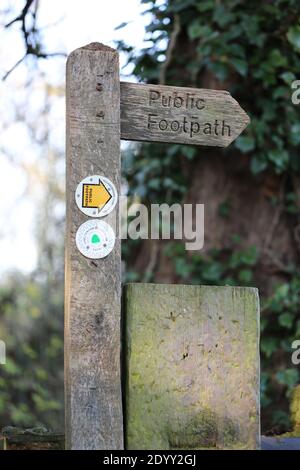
95, 238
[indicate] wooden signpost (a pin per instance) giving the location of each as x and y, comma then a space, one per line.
179, 115
99, 112
92, 287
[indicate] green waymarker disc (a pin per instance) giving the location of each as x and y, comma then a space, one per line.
95, 238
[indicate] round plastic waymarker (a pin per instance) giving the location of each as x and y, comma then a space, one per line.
96, 196
95, 239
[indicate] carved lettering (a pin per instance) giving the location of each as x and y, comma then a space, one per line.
175, 100
192, 126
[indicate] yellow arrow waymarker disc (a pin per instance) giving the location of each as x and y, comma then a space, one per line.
96, 196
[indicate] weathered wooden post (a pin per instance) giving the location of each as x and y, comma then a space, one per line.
92, 286
100, 111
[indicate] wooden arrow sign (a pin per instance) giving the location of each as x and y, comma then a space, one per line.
180, 115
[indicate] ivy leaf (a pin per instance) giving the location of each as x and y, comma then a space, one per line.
212, 272
286, 320
280, 92
245, 144
182, 268
269, 345
180, 5
206, 5
249, 256
288, 77
221, 70
288, 377
154, 183
280, 158
11, 367
293, 36
282, 291
295, 134
277, 59
173, 149
189, 152
245, 276
240, 66
221, 16
258, 164
197, 30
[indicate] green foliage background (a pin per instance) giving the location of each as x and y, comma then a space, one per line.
31, 381
253, 49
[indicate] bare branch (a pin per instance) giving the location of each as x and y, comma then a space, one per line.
13, 67
22, 15
31, 36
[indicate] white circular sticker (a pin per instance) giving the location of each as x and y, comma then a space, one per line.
95, 239
96, 196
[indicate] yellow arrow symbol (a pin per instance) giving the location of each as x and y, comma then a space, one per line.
95, 196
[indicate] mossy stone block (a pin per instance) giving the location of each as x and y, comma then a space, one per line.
192, 367
295, 409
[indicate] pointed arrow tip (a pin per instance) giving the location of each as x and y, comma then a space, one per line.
244, 120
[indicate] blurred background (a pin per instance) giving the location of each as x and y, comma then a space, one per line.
251, 190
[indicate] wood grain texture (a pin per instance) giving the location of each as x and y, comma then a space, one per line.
192, 367
180, 115
92, 287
